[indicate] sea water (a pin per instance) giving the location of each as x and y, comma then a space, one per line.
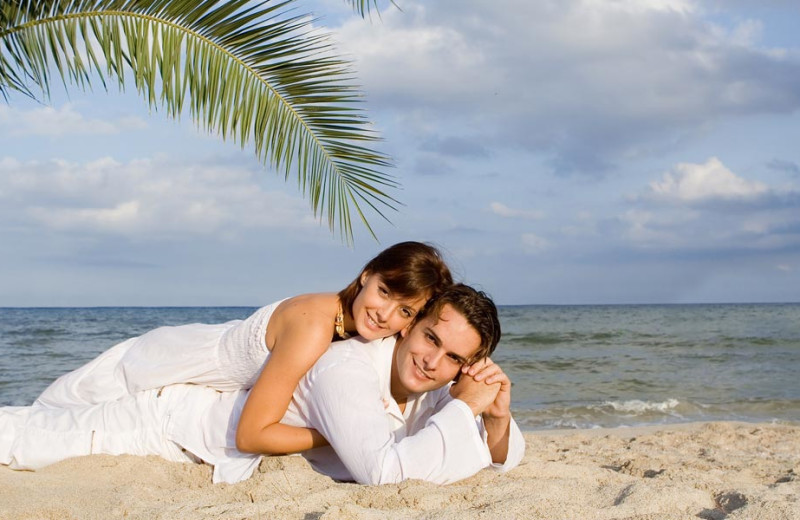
571, 366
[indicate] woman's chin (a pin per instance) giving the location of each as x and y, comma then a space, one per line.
372, 334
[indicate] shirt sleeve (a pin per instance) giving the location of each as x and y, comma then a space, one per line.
516, 441
516, 448
346, 407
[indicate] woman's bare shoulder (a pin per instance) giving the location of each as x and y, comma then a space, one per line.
311, 306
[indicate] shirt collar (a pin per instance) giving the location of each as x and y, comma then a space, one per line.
382, 354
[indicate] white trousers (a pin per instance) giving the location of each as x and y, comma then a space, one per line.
32, 437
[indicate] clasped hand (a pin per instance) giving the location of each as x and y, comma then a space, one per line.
485, 388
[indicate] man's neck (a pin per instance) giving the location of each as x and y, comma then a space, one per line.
399, 394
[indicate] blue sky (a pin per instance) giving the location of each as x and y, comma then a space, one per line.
559, 152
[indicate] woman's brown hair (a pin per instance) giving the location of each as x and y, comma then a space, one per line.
409, 270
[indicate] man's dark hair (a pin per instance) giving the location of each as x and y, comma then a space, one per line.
478, 309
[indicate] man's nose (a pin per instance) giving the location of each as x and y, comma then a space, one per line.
433, 358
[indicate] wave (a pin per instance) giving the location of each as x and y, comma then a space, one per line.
634, 412
636, 406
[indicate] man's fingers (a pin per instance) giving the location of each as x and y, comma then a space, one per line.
487, 372
478, 366
499, 377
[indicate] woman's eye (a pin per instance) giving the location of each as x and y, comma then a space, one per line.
406, 313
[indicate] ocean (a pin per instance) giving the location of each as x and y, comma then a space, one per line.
581, 366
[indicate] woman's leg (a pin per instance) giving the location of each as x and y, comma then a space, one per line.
161, 357
98, 381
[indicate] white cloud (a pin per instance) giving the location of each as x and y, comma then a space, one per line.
534, 244
638, 222
123, 216
689, 182
146, 198
60, 121
408, 54
504, 211
712, 210
639, 6
586, 81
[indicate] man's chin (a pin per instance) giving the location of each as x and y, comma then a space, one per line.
415, 387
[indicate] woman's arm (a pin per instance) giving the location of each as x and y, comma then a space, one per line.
302, 333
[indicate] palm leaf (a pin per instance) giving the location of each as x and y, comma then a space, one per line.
250, 71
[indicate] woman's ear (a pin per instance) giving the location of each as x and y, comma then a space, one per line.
363, 278
405, 330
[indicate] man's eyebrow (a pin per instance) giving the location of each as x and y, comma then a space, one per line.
436, 340
459, 358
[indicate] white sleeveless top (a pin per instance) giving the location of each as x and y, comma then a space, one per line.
242, 348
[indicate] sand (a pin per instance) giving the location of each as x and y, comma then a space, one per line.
710, 471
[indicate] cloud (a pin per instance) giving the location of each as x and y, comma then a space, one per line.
585, 82
708, 208
58, 122
784, 166
641, 6
504, 211
534, 244
146, 199
456, 147
688, 183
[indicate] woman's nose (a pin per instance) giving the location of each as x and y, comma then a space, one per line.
385, 311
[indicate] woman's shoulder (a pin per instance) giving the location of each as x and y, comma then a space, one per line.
319, 308
311, 301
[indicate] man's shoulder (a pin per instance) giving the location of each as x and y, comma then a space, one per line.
356, 350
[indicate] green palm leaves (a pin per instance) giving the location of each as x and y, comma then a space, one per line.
250, 71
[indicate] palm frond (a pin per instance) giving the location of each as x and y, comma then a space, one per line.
251, 71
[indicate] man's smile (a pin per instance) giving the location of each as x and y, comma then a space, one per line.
422, 374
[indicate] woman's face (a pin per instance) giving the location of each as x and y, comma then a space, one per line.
379, 314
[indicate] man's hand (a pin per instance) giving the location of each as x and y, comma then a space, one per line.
490, 373
496, 414
478, 395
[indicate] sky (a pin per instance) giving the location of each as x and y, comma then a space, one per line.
557, 151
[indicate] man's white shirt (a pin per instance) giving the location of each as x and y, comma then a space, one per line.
346, 397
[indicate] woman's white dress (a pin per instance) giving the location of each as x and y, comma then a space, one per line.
226, 356
113, 404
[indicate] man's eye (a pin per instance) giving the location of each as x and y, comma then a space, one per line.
454, 358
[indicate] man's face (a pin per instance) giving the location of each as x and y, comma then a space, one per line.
431, 354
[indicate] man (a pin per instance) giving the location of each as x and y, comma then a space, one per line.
386, 407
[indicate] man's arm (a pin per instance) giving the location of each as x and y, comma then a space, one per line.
345, 406
487, 389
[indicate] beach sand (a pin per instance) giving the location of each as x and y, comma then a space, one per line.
703, 470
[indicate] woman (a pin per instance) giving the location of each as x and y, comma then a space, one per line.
293, 333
